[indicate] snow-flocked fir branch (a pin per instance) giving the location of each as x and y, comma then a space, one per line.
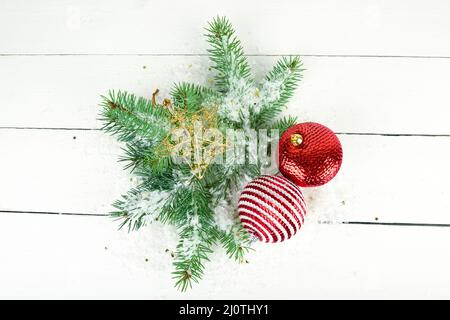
197, 235
236, 241
280, 85
138, 123
139, 207
203, 209
227, 54
134, 119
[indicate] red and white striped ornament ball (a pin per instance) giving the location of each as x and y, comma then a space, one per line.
272, 208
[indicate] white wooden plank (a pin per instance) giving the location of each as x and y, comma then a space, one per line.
384, 179
387, 179
271, 27
85, 257
75, 172
388, 95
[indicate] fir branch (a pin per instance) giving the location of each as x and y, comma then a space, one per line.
190, 96
188, 198
139, 207
136, 155
145, 159
191, 254
285, 75
197, 235
226, 53
170, 192
284, 123
151, 180
236, 242
134, 119
222, 180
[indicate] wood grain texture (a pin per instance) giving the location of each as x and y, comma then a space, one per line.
384, 179
85, 257
368, 95
323, 27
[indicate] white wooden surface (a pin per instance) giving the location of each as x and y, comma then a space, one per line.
378, 73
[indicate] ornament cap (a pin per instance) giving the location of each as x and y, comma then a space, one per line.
296, 139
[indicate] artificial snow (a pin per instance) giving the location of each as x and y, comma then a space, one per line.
224, 215
145, 205
225, 211
243, 95
190, 244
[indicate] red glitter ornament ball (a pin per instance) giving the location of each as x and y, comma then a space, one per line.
309, 154
272, 208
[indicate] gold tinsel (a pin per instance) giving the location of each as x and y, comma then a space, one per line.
191, 122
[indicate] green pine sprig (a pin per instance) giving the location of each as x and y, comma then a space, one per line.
226, 53
286, 74
168, 191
